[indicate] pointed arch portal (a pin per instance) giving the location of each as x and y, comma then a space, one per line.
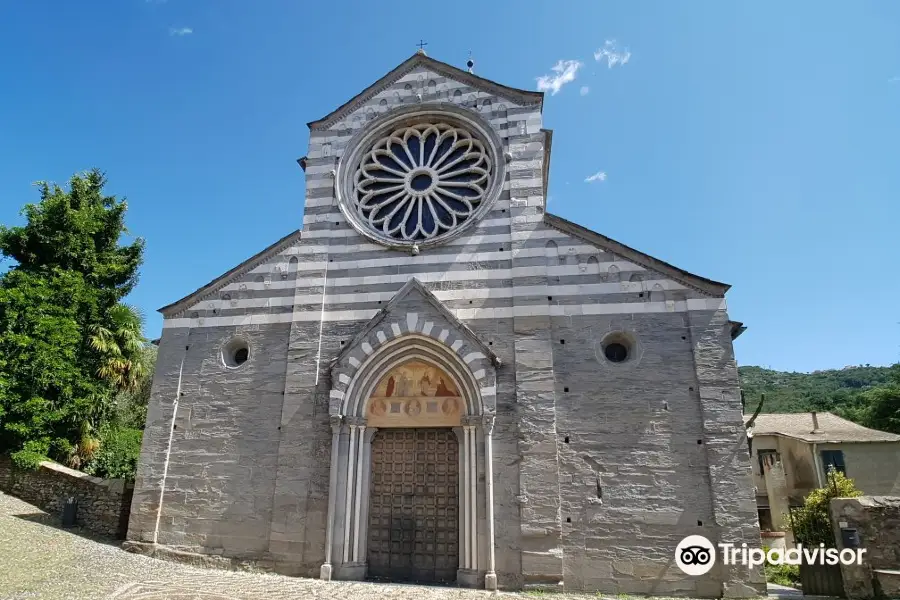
410, 437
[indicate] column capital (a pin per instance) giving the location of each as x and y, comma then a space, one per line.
336, 421
470, 421
487, 422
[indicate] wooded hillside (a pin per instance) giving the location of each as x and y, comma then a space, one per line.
860, 394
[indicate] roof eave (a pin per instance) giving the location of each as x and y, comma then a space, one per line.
548, 145
708, 286
809, 440
222, 280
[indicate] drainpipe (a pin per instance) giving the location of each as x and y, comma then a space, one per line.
815, 460
815, 453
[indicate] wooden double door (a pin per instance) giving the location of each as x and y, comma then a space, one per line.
413, 507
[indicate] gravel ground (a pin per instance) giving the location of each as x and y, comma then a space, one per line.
40, 560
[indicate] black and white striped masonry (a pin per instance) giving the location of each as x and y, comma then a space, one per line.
425, 239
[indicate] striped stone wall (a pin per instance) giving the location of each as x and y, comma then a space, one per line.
598, 471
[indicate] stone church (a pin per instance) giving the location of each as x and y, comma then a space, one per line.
437, 380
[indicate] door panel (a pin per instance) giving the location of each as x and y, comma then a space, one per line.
413, 508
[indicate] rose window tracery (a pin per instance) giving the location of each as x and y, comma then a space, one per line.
421, 181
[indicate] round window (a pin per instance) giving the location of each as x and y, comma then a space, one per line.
421, 181
235, 353
618, 347
615, 352
420, 175
241, 355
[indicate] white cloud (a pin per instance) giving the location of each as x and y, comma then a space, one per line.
585, 90
565, 71
181, 31
598, 176
611, 54
894, 80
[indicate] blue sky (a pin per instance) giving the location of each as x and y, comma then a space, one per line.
752, 143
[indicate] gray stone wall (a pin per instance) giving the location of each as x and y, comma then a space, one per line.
244, 456
877, 522
103, 504
216, 448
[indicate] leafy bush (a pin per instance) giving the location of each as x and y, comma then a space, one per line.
118, 454
811, 523
32, 454
788, 575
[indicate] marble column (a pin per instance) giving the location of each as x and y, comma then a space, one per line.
361, 516
461, 438
490, 578
467, 576
351, 476
325, 571
357, 490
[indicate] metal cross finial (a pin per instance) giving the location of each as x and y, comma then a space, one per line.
422, 44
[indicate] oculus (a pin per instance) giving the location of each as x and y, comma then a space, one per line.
421, 182
235, 353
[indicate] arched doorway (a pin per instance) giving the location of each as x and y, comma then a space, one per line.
413, 517
411, 441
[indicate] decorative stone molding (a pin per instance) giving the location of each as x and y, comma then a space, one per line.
471, 420
361, 171
473, 358
431, 175
487, 421
336, 423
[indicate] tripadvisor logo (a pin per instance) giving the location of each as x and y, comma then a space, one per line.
696, 555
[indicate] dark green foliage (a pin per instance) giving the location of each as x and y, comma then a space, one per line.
811, 523
782, 574
884, 407
131, 404
70, 273
866, 395
119, 450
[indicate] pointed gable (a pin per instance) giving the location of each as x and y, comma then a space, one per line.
414, 288
422, 62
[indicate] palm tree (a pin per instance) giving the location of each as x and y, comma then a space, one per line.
121, 346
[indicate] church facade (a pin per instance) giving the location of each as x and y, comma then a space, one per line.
436, 380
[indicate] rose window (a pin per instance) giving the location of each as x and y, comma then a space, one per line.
421, 181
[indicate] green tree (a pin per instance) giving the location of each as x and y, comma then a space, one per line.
121, 345
131, 405
62, 295
811, 523
884, 408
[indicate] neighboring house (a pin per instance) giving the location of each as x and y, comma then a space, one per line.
791, 455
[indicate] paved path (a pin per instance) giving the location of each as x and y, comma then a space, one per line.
38, 560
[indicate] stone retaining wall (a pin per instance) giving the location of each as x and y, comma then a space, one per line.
103, 504
876, 521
